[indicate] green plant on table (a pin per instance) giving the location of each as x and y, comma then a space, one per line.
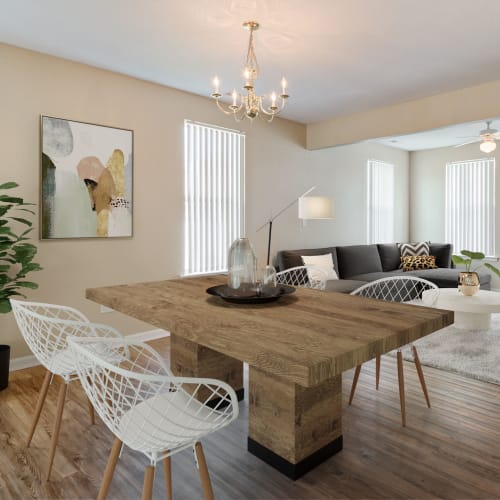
16, 254
466, 259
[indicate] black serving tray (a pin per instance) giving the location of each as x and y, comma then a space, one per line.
269, 294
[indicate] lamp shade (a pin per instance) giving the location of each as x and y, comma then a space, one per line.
315, 207
488, 146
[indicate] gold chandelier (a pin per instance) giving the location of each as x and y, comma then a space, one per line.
251, 105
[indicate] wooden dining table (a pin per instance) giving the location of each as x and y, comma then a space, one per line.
296, 349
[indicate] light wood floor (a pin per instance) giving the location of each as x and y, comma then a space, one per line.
450, 451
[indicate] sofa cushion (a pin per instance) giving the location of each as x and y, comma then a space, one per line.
379, 275
324, 262
358, 259
442, 252
389, 256
344, 286
416, 262
285, 259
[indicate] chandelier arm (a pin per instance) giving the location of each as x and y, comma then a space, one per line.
273, 112
229, 111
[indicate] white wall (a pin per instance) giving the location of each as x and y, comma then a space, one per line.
337, 172
278, 169
427, 193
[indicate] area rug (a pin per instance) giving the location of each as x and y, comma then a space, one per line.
472, 353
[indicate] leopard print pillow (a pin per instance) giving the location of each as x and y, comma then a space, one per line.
415, 262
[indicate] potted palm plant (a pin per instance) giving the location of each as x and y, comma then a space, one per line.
16, 258
468, 280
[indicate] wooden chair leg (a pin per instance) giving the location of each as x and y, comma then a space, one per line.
418, 366
57, 426
39, 405
377, 371
354, 382
91, 412
167, 467
206, 485
110, 469
149, 477
401, 387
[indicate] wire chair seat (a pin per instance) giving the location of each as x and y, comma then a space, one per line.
153, 426
46, 328
143, 404
303, 276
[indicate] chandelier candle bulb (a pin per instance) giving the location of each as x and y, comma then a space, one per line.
283, 86
235, 96
216, 85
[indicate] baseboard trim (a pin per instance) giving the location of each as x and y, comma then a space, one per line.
22, 363
30, 361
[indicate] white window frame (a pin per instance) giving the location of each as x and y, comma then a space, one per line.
214, 195
470, 205
380, 202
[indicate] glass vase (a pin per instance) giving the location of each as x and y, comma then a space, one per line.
242, 266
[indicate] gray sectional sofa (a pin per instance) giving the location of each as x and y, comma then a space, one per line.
359, 264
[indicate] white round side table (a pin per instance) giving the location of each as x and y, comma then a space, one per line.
471, 312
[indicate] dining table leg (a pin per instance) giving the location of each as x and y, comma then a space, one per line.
291, 427
189, 359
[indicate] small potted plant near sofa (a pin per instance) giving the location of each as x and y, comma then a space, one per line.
468, 280
16, 259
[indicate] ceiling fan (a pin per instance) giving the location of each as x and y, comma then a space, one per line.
487, 137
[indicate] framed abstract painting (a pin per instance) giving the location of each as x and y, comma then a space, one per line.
86, 180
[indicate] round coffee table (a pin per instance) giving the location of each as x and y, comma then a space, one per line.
471, 312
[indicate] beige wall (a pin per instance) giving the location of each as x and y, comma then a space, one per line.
465, 105
278, 169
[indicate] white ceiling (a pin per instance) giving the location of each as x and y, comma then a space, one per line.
340, 56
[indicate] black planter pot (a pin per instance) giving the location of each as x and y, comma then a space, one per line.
4, 366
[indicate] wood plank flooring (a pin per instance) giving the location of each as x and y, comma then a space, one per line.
450, 451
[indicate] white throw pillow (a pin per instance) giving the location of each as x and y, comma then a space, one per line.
325, 262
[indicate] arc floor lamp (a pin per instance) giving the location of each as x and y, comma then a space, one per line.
310, 207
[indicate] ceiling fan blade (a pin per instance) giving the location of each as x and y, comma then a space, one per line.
465, 143
465, 136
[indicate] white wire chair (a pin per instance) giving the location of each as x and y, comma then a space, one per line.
303, 276
46, 329
148, 409
407, 289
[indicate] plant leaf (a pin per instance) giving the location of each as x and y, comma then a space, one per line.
458, 259
22, 221
27, 284
491, 267
11, 199
9, 185
5, 306
473, 255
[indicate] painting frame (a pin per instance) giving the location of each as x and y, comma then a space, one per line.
86, 179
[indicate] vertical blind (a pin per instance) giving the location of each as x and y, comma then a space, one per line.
214, 174
470, 205
380, 202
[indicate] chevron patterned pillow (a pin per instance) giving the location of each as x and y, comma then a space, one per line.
413, 249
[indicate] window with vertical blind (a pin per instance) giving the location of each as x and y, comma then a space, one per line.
470, 205
380, 202
214, 176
